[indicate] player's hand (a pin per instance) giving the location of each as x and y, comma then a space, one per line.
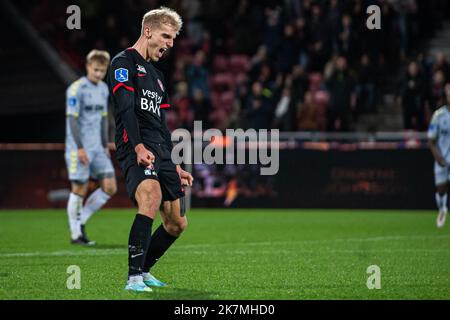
83, 157
144, 157
108, 154
186, 177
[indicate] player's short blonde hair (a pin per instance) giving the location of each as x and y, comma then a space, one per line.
100, 56
155, 18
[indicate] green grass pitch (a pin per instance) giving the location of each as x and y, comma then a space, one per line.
234, 254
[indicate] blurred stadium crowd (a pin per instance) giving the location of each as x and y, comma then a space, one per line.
293, 64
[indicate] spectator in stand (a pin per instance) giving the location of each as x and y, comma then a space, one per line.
442, 64
282, 119
347, 38
293, 9
387, 45
309, 115
302, 39
402, 9
181, 102
330, 66
365, 89
412, 95
237, 115
288, 52
299, 84
425, 64
272, 32
333, 21
340, 86
257, 61
201, 108
197, 75
319, 46
437, 93
245, 29
179, 73
265, 78
257, 109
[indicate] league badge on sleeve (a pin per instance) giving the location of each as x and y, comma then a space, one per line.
121, 74
72, 101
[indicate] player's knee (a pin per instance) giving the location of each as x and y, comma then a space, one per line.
442, 189
79, 189
176, 228
110, 189
148, 205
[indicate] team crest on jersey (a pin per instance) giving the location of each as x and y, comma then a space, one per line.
161, 85
121, 74
141, 68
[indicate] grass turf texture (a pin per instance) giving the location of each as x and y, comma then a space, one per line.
234, 254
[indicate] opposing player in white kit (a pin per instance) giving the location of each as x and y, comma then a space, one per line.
86, 152
439, 139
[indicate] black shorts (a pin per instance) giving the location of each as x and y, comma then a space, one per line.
164, 171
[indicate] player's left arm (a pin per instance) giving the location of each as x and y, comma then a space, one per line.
74, 100
104, 130
105, 125
432, 134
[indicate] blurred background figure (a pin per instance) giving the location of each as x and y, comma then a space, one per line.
341, 86
412, 95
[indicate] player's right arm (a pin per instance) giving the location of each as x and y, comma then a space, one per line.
432, 134
123, 93
73, 107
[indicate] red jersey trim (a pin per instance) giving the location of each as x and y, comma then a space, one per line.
122, 85
125, 136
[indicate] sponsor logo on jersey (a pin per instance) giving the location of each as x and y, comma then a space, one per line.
151, 102
121, 74
161, 85
141, 68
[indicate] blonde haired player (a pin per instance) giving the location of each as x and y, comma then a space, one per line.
86, 151
140, 99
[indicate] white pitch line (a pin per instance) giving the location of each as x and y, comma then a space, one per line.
105, 252
265, 243
87, 252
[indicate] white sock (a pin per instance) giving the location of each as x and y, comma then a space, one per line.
135, 279
73, 207
95, 201
441, 200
